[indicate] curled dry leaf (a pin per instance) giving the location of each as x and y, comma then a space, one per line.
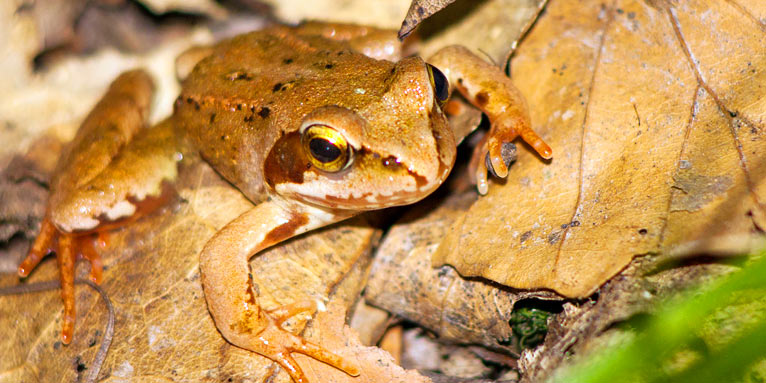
655, 112
459, 310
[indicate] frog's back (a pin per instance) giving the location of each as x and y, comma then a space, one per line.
256, 87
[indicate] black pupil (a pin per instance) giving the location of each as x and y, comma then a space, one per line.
441, 85
324, 150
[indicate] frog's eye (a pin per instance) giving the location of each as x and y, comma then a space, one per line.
439, 82
326, 148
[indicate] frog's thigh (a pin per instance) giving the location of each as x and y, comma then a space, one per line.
111, 125
126, 185
83, 192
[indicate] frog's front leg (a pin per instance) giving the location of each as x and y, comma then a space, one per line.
232, 298
112, 172
490, 90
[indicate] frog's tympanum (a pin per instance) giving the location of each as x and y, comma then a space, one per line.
313, 124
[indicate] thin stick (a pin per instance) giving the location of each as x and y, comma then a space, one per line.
106, 341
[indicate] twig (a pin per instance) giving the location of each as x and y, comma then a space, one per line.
106, 341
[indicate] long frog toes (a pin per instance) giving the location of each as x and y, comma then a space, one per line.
277, 344
68, 248
496, 151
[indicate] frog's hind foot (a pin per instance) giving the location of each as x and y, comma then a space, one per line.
277, 344
68, 248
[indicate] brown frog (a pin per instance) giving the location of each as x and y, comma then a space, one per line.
313, 124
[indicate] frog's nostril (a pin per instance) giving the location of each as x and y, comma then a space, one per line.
391, 161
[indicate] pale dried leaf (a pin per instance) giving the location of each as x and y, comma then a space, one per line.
205, 7
656, 119
378, 13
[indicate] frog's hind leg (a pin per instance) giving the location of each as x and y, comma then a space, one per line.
111, 173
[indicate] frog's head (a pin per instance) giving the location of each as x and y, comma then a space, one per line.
393, 149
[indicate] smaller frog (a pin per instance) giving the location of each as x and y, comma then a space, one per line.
313, 124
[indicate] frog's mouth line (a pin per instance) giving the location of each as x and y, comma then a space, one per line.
370, 200
363, 202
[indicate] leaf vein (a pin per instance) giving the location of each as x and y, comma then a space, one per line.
721, 107
581, 183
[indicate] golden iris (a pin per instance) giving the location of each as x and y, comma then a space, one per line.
327, 149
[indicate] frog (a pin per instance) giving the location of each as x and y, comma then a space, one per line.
312, 123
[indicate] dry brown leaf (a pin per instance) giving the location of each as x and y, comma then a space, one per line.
459, 310
655, 112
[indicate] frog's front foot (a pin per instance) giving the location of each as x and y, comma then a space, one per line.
496, 151
277, 344
488, 88
68, 248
